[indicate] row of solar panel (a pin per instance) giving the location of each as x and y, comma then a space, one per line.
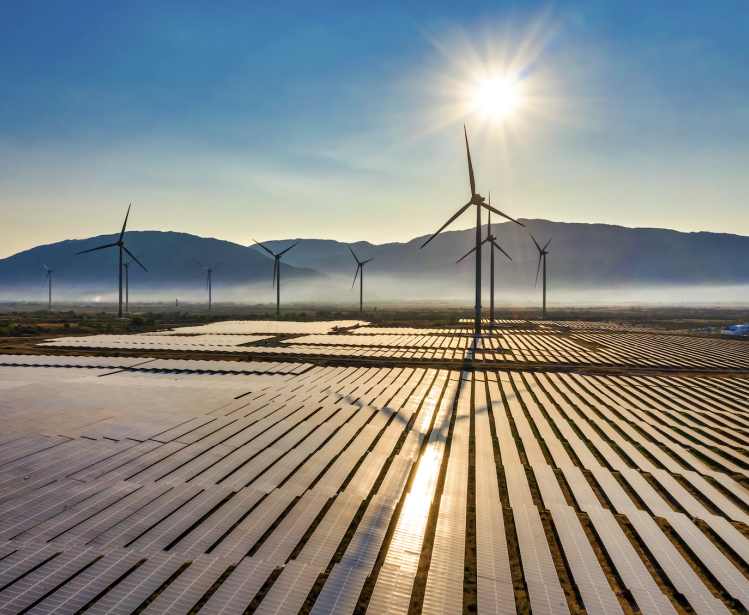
558, 407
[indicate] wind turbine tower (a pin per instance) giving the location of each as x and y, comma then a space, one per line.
121, 245
48, 276
359, 267
542, 252
276, 271
127, 281
478, 201
208, 281
492, 246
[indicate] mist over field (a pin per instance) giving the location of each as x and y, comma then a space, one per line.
383, 291
587, 264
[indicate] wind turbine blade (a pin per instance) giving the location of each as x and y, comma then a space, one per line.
264, 248
43, 265
470, 166
485, 240
496, 245
289, 248
109, 245
111, 259
135, 259
460, 211
369, 261
547, 243
354, 255
275, 266
538, 269
489, 223
139, 255
534, 241
125, 224
471, 252
496, 211
207, 279
203, 266
45, 279
221, 263
356, 274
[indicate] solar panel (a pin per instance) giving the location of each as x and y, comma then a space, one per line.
208, 455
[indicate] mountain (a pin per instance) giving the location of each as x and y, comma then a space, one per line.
581, 257
169, 260
586, 262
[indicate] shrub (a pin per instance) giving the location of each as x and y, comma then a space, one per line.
137, 321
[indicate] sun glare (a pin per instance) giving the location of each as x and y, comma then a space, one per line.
497, 98
502, 82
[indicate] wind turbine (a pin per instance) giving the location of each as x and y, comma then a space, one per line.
478, 201
208, 281
359, 267
121, 244
492, 244
49, 275
127, 281
276, 271
541, 255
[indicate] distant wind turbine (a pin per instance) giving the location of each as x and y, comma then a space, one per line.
541, 255
359, 267
478, 201
492, 245
208, 281
127, 281
121, 244
276, 271
48, 276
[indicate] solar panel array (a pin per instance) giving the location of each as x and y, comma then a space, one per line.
177, 486
154, 365
573, 325
638, 350
362, 351
248, 327
74, 361
402, 341
524, 344
193, 343
406, 331
581, 325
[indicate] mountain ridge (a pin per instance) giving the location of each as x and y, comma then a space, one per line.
169, 257
581, 256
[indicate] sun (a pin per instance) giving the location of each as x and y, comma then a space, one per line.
498, 98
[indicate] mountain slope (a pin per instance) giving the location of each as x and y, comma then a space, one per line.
586, 261
168, 258
580, 256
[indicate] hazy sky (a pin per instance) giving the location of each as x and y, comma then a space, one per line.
344, 120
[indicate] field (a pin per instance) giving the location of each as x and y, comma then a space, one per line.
596, 462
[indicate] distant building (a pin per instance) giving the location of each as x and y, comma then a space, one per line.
737, 329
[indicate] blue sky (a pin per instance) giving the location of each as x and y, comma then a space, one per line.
344, 120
